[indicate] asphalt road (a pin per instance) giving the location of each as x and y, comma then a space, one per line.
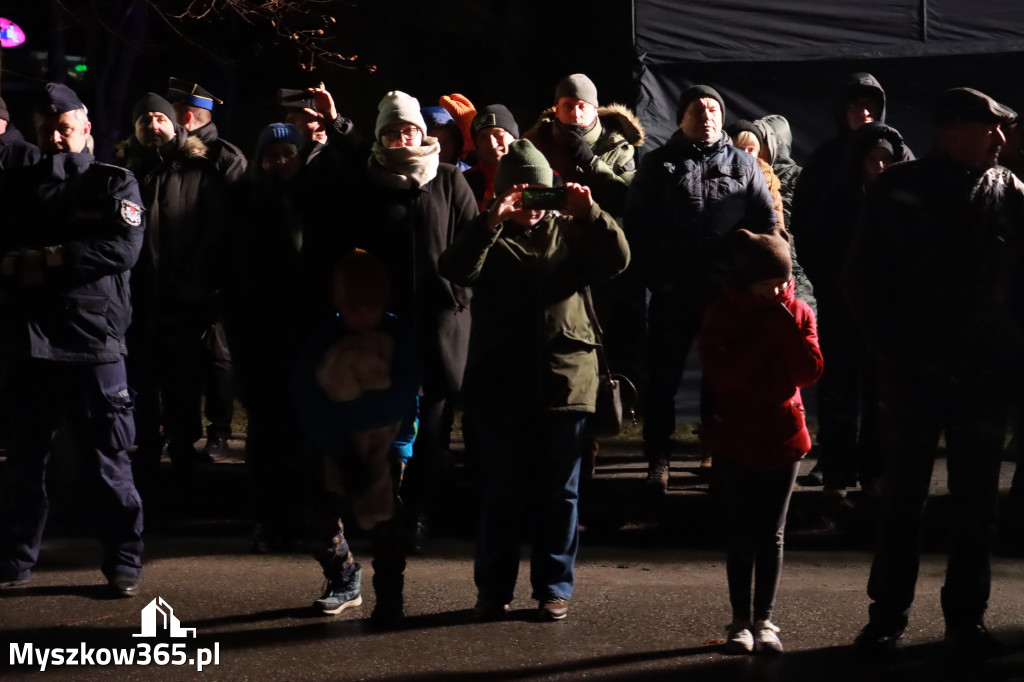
651, 596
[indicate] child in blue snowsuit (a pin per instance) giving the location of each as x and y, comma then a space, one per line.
355, 387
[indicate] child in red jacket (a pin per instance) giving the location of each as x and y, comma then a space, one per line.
758, 347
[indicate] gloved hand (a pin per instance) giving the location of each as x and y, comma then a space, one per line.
579, 151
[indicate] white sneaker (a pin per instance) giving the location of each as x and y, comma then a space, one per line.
766, 637
739, 639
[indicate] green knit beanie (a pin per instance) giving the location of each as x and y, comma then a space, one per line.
522, 164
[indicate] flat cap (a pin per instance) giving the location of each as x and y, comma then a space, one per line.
967, 104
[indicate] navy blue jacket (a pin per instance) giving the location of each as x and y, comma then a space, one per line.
684, 203
88, 221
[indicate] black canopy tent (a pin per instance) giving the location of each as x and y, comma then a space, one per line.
786, 56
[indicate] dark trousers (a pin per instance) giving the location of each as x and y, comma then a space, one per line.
94, 402
165, 367
757, 503
280, 475
530, 476
848, 430
424, 471
674, 320
220, 383
914, 413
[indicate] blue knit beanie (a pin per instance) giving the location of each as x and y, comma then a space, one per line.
278, 132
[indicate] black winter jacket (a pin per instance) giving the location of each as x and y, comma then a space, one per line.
182, 192
683, 204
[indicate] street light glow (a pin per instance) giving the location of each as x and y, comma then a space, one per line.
11, 34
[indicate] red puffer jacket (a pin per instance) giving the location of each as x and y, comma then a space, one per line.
756, 355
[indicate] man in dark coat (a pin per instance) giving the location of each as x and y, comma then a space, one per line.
72, 230
847, 433
171, 284
687, 198
193, 105
931, 277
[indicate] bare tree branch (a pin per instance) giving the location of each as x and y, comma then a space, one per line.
310, 26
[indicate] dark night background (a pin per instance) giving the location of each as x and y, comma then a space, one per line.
512, 53
490, 52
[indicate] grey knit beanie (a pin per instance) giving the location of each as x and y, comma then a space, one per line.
522, 164
398, 106
578, 86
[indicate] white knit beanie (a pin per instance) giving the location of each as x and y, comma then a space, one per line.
398, 106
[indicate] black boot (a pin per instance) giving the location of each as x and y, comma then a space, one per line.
390, 608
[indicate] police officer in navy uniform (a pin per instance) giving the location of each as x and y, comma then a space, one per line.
72, 230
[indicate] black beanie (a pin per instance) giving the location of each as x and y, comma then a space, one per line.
494, 116
697, 92
578, 86
741, 125
757, 257
153, 102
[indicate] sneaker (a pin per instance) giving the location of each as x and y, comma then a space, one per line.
766, 637
553, 608
739, 639
487, 610
657, 476
340, 595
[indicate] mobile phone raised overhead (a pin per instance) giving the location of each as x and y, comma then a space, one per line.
544, 198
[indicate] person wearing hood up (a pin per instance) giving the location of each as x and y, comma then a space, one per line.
172, 294
775, 140
814, 214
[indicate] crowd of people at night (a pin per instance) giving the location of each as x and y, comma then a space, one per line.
359, 290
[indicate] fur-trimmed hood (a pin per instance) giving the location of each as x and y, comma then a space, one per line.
615, 118
186, 147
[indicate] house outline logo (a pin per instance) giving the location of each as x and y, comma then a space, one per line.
170, 624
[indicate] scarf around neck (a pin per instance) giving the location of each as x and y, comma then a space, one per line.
405, 167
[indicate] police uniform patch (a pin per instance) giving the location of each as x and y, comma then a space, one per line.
131, 213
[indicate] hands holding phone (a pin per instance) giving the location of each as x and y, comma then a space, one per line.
573, 200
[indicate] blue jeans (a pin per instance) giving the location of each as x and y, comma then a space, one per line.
530, 476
